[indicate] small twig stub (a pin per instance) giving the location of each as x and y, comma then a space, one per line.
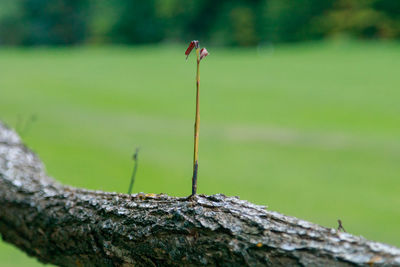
135, 159
340, 226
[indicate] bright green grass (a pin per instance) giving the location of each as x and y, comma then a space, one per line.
311, 131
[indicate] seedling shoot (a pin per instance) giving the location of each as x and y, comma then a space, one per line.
200, 54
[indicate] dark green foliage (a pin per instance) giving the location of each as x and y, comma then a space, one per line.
288, 21
46, 22
372, 19
138, 23
232, 23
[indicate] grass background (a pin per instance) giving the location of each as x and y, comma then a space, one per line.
309, 130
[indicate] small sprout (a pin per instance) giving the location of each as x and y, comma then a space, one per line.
200, 53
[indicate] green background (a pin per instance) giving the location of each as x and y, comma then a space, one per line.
309, 130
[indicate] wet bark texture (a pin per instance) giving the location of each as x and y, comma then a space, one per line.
69, 226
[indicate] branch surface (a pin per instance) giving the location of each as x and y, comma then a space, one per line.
69, 226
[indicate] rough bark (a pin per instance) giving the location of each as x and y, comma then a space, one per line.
69, 226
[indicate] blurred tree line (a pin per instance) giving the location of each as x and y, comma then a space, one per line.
232, 23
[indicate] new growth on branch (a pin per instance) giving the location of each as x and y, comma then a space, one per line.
200, 54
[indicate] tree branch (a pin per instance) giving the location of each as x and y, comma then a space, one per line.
70, 226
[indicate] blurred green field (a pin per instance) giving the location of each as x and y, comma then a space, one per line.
310, 130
